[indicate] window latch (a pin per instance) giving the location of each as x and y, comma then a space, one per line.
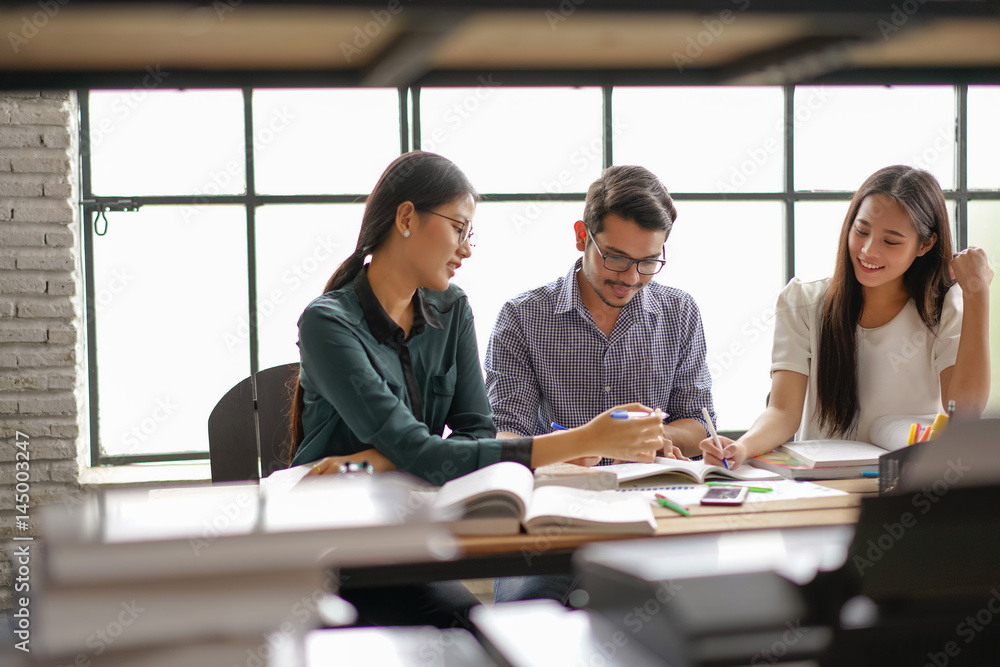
100, 207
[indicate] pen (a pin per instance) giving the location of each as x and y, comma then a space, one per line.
558, 427
715, 436
627, 414
872, 473
669, 504
951, 409
752, 489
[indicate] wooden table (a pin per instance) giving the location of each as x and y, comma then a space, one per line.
550, 552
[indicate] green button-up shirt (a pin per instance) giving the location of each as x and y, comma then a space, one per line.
366, 385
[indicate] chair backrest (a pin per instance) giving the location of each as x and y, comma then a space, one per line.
248, 428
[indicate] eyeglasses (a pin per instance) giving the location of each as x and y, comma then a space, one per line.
464, 234
620, 264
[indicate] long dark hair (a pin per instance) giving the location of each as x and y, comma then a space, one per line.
426, 180
926, 282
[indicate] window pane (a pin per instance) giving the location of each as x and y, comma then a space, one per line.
728, 256
693, 141
519, 246
167, 142
516, 139
984, 231
984, 137
298, 249
845, 134
323, 141
817, 235
170, 288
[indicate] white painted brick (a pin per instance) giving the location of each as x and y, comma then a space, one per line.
8, 307
51, 259
57, 190
51, 403
11, 282
12, 136
22, 332
30, 308
8, 405
46, 356
62, 381
11, 236
5, 107
63, 239
41, 210
61, 287
23, 383
18, 186
55, 137
59, 336
32, 428
41, 112
64, 430
22, 94
8, 360
5, 163
55, 94
47, 162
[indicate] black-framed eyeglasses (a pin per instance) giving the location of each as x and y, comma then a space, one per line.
464, 234
620, 263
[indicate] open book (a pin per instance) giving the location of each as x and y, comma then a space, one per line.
500, 498
696, 470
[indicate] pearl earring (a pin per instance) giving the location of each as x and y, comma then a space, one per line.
406, 233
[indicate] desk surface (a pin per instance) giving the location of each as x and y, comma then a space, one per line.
550, 552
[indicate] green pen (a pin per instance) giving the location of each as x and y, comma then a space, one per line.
666, 502
753, 489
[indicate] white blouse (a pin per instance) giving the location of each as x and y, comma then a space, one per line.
899, 363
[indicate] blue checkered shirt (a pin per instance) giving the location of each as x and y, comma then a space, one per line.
547, 361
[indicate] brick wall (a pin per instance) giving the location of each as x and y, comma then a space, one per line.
42, 379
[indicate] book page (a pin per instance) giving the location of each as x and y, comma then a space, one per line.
833, 453
599, 511
501, 483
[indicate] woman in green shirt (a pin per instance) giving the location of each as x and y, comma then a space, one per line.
389, 354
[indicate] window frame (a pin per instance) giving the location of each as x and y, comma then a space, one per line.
410, 139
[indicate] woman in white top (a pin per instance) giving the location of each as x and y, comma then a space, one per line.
902, 327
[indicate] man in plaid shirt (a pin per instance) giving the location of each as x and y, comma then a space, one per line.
602, 335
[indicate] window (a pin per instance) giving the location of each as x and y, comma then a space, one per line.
206, 281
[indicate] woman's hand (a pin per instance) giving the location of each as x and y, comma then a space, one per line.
733, 450
330, 465
632, 439
971, 269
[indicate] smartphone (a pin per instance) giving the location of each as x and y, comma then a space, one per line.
725, 495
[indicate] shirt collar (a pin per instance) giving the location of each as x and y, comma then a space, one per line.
569, 298
383, 328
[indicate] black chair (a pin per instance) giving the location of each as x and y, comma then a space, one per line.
248, 428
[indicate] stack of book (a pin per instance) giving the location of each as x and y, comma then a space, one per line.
841, 459
157, 576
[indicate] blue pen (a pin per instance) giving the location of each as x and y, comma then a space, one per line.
633, 414
558, 427
868, 473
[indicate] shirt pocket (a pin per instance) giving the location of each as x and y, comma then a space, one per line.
438, 403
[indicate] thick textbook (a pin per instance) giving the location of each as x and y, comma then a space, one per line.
501, 498
696, 470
